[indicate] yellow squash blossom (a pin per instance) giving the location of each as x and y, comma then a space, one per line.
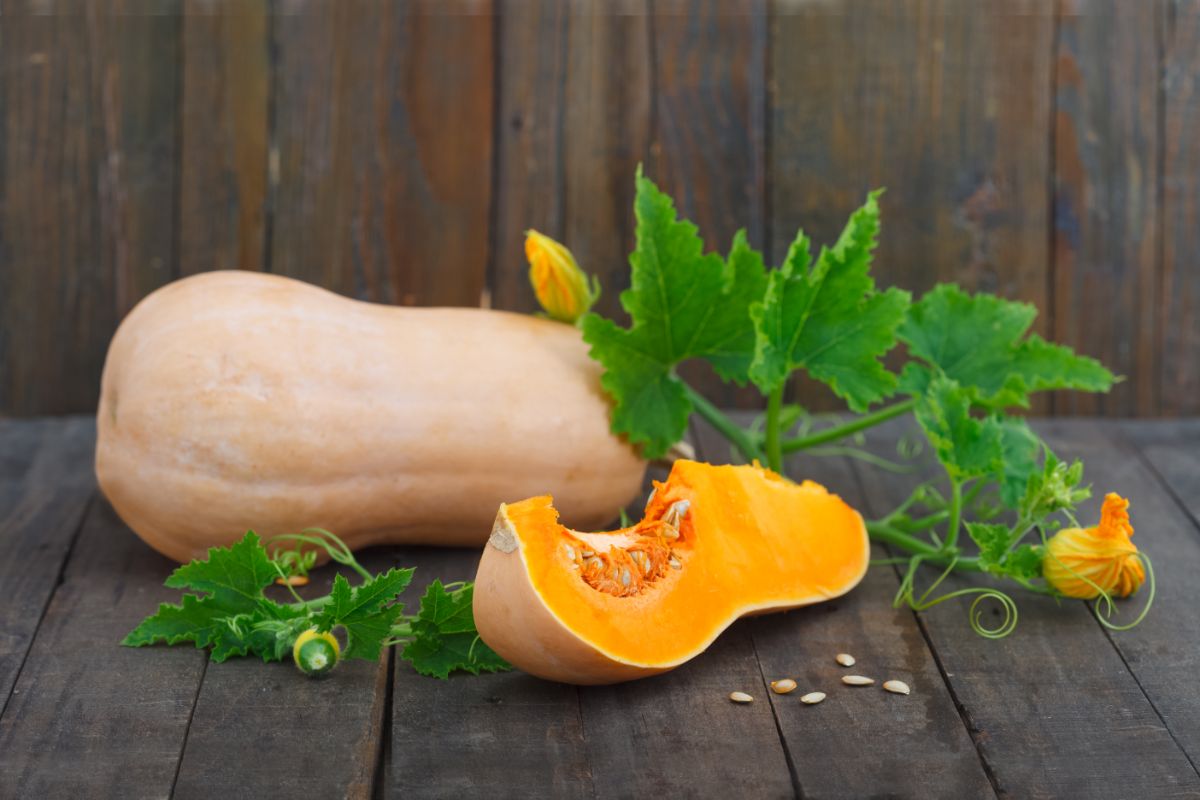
1078, 560
560, 285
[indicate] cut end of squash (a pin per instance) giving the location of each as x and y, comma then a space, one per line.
716, 543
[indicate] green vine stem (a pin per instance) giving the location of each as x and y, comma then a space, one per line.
886, 533
848, 428
922, 523
724, 425
955, 514
774, 450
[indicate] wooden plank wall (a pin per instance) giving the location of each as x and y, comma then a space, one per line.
396, 151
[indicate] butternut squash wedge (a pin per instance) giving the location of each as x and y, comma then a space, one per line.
716, 543
237, 400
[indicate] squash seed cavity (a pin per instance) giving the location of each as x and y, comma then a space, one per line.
647, 555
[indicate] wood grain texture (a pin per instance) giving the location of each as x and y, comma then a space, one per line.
87, 156
480, 736
1046, 156
1053, 706
1106, 211
570, 139
707, 148
46, 484
888, 644
640, 746
947, 105
530, 174
607, 130
1059, 709
1173, 450
708, 139
90, 718
590, 90
223, 138
1180, 268
384, 148
1161, 650
308, 736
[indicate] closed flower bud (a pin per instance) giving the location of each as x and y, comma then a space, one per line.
1078, 560
316, 654
560, 285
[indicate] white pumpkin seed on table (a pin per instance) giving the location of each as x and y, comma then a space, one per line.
740, 697
896, 687
812, 698
846, 660
858, 680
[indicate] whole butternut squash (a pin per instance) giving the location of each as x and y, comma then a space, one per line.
238, 400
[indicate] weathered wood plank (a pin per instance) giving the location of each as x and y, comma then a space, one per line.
1106, 211
1173, 449
577, 114
1053, 707
1180, 267
1161, 651
675, 734
90, 718
707, 150
887, 643
709, 131
46, 483
385, 148
574, 122
20, 443
223, 135
607, 121
531, 62
87, 155
497, 734
947, 105
307, 736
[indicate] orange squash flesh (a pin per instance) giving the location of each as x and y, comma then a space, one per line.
743, 541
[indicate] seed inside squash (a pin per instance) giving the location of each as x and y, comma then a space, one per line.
630, 561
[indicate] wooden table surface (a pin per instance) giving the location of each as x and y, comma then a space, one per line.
1062, 708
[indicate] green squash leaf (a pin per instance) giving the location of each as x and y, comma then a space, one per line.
684, 304
828, 319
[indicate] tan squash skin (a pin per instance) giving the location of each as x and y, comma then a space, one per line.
238, 400
513, 619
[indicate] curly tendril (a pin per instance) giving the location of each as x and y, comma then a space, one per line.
905, 596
